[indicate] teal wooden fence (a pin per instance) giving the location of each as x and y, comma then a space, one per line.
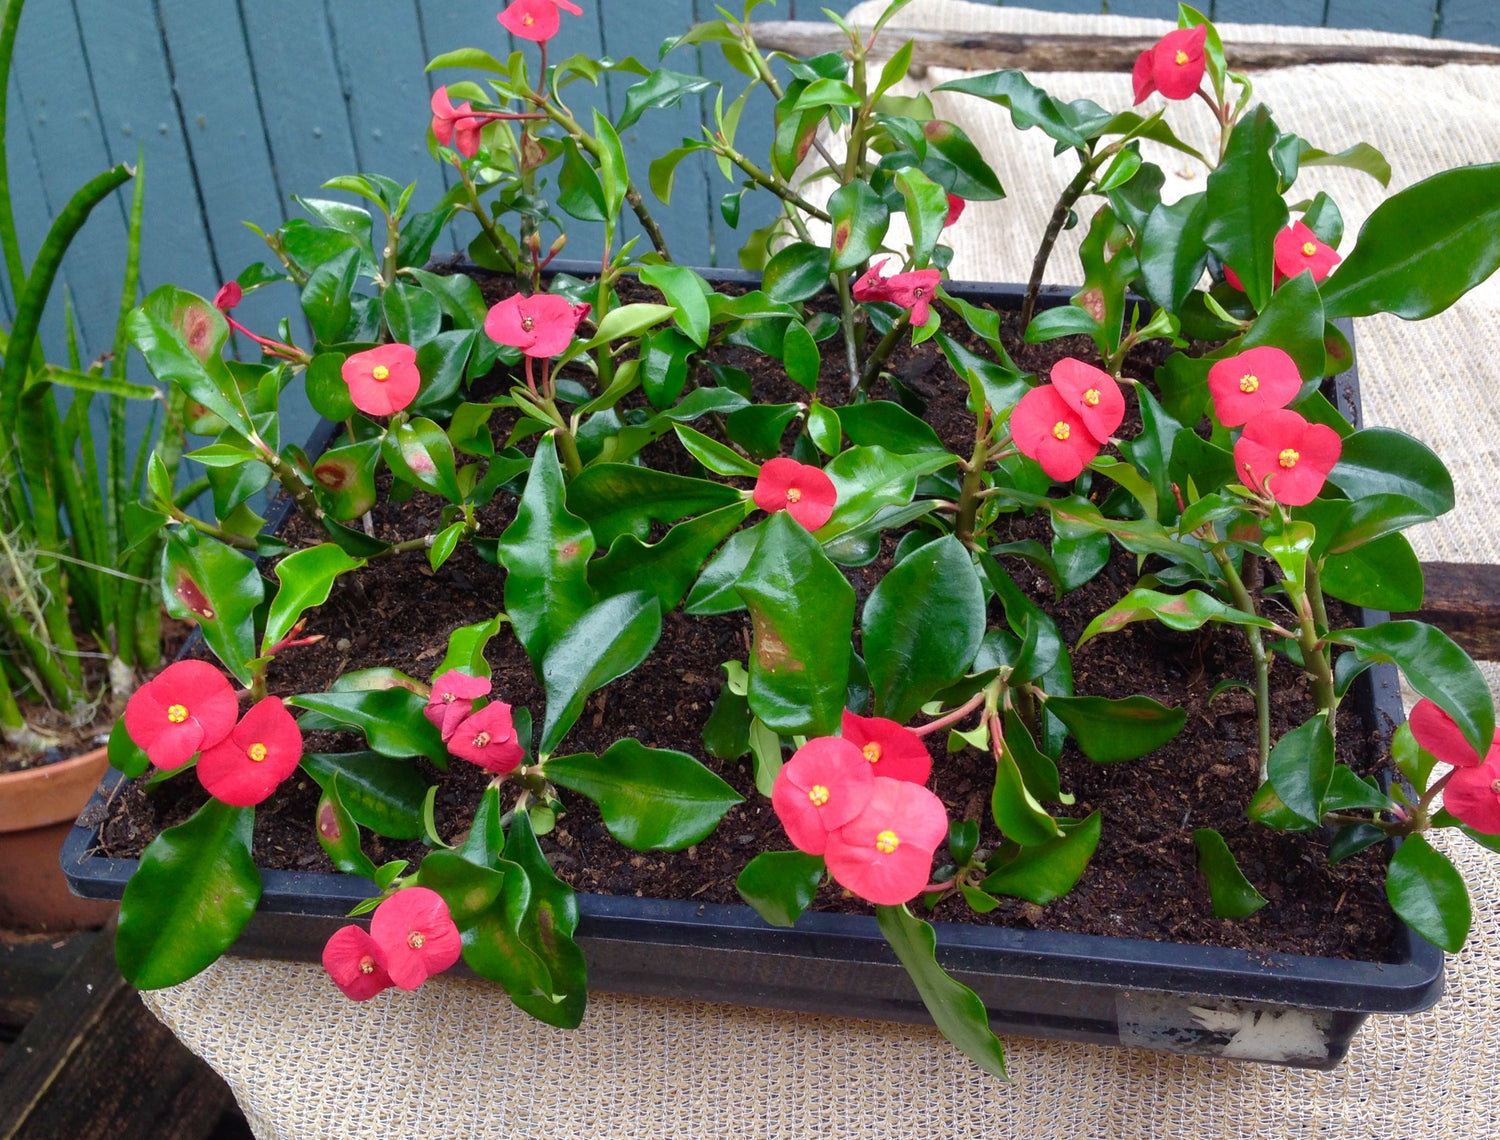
239, 104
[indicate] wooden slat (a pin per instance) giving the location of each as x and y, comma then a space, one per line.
1463, 599
31, 968
1417, 17
94, 1065
1477, 20
1305, 12
989, 51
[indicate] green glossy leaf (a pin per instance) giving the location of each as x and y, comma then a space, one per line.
714, 592
1245, 207
955, 1008
623, 323
799, 352
1301, 767
466, 646
780, 885
759, 428
380, 792
419, 452
797, 272
1382, 461
1346, 791
823, 428
1113, 730
881, 423
922, 627
1423, 248
182, 337
867, 479
1429, 894
1048, 870
604, 642
662, 88
802, 609
1173, 253
193, 893
667, 568
618, 498
687, 293
926, 213
391, 720
1191, 609
1017, 812
338, 833
1266, 808
860, 220
1028, 104
1435, 667
124, 754
714, 455
1233, 895
545, 552
1292, 320
327, 298
345, 477
651, 799
218, 587
413, 315
307, 579
1381, 575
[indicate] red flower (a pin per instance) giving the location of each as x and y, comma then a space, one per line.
1288, 456
539, 326
188, 707
1436, 731
488, 738
229, 295
1473, 794
884, 854
536, 20
1092, 393
415, 935
452, 699
1260, 380
955, 210
455, 126
383, 380
825, 784
801, 489
261, 751
892, 751
911, 291
1233, 278
1174, 66
1299, 250
1050, 430
355, 963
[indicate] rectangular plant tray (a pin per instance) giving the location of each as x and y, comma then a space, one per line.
1283, 1009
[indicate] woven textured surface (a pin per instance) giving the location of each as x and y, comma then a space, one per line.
455, 1060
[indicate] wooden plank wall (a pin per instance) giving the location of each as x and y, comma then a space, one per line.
237, 105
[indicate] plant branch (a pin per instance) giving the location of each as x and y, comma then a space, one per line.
1070, 195
1258, 653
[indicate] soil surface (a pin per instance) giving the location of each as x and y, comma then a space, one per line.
1143, 880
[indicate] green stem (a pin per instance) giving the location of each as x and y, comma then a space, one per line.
632, 195
764, 180
1258, 653
1065, 202
14, 266
883, 351
973, 485
851, 333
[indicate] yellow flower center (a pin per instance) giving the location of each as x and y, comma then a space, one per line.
528, 19
1092, 397
818, 794
1309, 248
886, 842
793, 495
416, 940
380, 372
1181, 59
872, 752
177, 714
1061, 430
1249, 383
919, 291
1289, 457
481, 740
367, 965
526, 322
256, 752
1495, 787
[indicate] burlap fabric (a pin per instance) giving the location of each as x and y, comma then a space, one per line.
455, 1060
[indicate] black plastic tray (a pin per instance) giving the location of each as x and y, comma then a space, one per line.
1276, 1008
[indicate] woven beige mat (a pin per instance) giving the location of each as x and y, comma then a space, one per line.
454, 1060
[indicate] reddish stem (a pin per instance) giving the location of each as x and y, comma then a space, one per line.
951, 718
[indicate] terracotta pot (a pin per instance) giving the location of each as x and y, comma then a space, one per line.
37, 808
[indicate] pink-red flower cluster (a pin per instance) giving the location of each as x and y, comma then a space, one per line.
540, 326
1279, 451
458, 127
1062, 425
189, 709
1472, 792
383, 381
412, 936
1174, 66
912, 291
805, 492
487, 737
536, 20
857, 800
1297, 250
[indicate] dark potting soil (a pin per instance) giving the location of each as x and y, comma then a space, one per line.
1143, 880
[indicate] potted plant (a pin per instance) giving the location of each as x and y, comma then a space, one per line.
908, 625
80, 619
